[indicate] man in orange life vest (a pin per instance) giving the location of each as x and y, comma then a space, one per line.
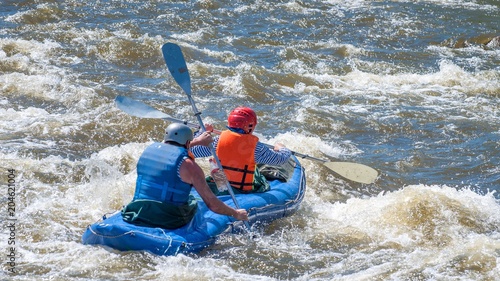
239, 152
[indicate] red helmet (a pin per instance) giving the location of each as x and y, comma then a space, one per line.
242, 118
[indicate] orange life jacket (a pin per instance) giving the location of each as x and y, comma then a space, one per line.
236, 154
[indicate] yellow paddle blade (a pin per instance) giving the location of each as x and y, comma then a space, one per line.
353, 171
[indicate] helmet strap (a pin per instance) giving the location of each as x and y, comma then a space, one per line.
237, 130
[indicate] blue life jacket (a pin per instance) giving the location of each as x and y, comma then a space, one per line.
158, 176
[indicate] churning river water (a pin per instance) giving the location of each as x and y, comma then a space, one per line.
410, 88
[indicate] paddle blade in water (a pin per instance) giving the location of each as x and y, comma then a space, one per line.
138, 109
353, 171
177, 66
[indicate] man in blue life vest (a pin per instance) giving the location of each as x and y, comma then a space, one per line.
240, 151
166, 172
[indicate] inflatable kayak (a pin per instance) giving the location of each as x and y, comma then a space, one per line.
282, 200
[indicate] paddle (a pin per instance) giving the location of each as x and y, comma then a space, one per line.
351, 171
177, 66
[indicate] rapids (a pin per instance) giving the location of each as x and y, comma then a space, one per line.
410, 88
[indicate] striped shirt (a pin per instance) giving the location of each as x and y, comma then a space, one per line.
262, 154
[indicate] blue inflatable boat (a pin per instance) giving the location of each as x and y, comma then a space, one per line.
282, 200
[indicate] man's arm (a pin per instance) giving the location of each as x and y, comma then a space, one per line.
203, 139
203, 151
276, 157
192, 173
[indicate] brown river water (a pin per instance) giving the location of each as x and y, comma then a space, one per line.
410, 88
